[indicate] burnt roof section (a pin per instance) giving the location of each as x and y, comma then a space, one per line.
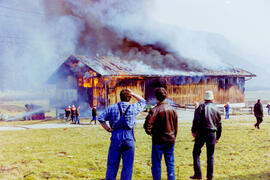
114, 66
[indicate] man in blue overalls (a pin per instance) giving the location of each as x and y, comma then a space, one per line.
122, 119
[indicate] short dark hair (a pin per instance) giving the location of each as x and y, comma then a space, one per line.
125, 95
161, 94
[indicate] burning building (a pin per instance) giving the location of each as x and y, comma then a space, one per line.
98, 81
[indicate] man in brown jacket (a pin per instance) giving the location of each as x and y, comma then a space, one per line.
162, 124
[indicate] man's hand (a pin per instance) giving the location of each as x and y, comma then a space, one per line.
110, 130
136, 96
130, 92
106, 127
194, 135
217, 141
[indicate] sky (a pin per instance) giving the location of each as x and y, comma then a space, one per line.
244, 22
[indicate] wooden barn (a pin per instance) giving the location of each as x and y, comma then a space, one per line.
98, 81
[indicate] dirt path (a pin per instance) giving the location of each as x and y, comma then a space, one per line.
185, 116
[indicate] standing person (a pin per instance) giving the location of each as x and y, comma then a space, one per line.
73, 114
94, 115
68, 113
227, 110
28, 115
122, 119
77, 114
162, 124
268, 109
206, 128
258, 112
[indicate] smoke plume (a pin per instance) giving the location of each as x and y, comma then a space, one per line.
36, 36
124, 28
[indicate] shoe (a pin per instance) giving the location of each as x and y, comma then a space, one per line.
258, 127
195, 177
255, 125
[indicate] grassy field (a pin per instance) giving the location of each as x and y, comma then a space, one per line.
81, 153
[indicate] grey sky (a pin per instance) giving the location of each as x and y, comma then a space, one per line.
245, 22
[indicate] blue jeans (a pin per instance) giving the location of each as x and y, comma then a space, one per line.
118, 149
210, 139
77, 119
168, 151
227, 116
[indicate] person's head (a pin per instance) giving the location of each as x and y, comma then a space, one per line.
69, 107
196, 104
258, 101
125, 95
208, 96
161, 94
73, 106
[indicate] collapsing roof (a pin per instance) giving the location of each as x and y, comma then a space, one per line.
113, 66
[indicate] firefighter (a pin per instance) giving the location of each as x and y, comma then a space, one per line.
68, 113
73, 114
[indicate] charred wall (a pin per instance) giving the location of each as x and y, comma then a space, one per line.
100, 91
181, 89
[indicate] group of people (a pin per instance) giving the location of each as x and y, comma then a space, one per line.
161, 124
73, 113
257, 109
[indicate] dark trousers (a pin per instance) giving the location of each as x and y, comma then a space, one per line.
210, 139
259, 121
94, 118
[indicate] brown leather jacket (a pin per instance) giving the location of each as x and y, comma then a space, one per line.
162, 124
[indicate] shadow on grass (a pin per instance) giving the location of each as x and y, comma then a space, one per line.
264, 176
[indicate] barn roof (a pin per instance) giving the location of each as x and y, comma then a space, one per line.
114, 66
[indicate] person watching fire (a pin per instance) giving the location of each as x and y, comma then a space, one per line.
94, 115
73, 114
122, 119
162, 124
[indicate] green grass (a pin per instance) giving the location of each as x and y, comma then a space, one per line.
81, 153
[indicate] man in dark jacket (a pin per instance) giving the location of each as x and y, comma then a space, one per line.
162, 124
258, 112
206, 128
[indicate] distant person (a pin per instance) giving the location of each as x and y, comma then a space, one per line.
94, 115
258, 112
162, 124
122, 119
68, 113
77, 114
73, 114
268, 109
28, 115
206, 128
148, 107
227, 111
